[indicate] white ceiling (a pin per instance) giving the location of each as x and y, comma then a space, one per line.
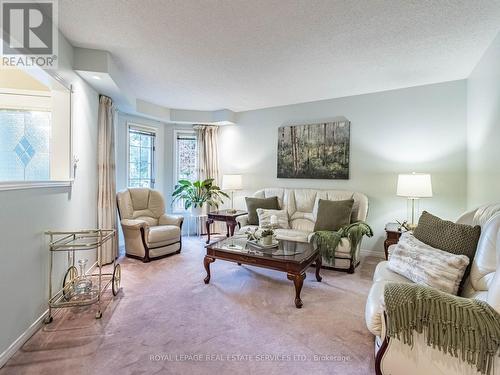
248, 54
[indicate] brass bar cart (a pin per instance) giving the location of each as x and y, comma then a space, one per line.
81, 287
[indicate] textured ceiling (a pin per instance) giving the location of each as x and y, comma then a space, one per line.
248, 54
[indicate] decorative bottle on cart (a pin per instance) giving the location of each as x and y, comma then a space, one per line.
83, 285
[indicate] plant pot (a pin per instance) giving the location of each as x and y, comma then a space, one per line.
268, 240
198, 211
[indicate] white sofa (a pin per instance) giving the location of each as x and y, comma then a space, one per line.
392, 355
302, 206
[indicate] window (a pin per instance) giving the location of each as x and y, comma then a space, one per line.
24, 145
186, 156
186, 159
141, 152
35, 131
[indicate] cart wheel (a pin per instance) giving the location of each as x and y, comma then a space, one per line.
98, 315
115, 283
70, 276
48, 319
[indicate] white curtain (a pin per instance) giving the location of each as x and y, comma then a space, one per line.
208, 163
208, 155
106, 190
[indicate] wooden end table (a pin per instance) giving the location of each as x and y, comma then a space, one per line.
290, 257
393, 232
224, 215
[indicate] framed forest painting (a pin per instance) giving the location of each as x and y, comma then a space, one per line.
314, 151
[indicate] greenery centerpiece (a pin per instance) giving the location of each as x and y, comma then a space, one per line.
197, 194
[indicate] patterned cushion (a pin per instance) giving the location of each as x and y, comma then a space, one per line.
254, 203
265, 217
426, 265
445, 235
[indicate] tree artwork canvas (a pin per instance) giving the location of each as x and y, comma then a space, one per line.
319, 151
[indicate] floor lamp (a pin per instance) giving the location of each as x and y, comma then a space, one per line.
232, 182
414, 186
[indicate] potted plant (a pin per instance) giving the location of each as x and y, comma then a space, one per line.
197, 194
266, 237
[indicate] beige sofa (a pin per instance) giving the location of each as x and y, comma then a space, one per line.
301, 206
483, 283
149, 232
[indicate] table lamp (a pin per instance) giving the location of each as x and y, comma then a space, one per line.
232, 182
414, 186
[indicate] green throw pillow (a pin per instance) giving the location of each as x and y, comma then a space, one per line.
270, 203
460, 239
333, 215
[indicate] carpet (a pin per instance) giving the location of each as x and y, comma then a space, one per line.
167, 321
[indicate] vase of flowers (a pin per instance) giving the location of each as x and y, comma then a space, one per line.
198, 194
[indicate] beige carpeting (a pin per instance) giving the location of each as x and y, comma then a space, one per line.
167, 321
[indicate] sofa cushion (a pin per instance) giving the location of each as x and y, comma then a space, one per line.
375, 300
333, 215
254, 203
292, 235
447, 235
426, 265
163, 235
265, 217
383, 273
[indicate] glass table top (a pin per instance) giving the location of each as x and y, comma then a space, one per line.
289, 251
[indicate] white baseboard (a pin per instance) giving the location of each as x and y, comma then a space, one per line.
372, 253
25, 336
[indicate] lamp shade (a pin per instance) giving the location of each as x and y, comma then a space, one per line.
415, 185
231, 182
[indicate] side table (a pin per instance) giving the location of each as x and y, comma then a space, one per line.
223, 215
393, 232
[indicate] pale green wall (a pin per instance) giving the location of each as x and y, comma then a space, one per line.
421, 129
483, 129
26, 214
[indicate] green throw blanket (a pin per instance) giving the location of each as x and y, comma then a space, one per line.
328, 241
450, 323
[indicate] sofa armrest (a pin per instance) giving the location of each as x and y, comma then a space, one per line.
242, 220
134, 224
170, 220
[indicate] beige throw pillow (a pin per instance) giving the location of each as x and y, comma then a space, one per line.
265, 217
426, 265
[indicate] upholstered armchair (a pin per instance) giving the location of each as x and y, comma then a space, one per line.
149, 232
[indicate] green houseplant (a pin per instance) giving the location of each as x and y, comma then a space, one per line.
196, 194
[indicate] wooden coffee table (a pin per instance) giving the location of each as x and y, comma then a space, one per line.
290, 257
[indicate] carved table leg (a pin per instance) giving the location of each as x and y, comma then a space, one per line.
298, 281
231, 225
209, 221
206, 262
319, 261
228, 231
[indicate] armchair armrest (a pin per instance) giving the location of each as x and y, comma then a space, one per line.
170, 220
242, 220
134, 224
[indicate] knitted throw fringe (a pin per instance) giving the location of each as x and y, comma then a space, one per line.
328, 241
458, 326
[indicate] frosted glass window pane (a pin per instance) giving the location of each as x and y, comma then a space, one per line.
24, 145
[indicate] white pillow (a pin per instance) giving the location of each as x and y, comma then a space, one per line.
426, 265
265, 217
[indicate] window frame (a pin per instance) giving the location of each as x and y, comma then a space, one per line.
177, 208
54, 183
147, 129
